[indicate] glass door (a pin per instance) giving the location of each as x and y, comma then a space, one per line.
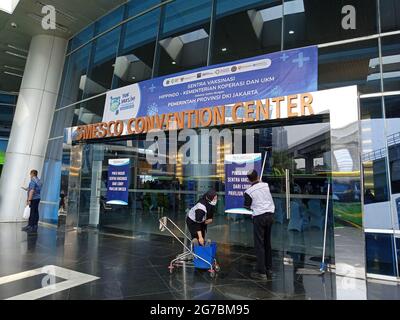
298, 177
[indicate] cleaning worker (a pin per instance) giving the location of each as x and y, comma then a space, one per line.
201, 215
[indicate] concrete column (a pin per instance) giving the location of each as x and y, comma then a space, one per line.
32, 122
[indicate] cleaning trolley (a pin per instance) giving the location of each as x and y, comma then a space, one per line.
200, 257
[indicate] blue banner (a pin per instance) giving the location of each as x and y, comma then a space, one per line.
266, 76
236, 168
118, 181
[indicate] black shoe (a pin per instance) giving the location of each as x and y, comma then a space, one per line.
32, 230
258, 276
26, 228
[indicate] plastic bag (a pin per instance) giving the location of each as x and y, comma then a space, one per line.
27, 213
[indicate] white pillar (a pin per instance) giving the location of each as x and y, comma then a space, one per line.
32, 122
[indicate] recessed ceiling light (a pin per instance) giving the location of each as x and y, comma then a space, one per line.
16, 54
13, 68
291, 32
133, 78
224, 49
13, 74
8, 5
173, 62
17, 48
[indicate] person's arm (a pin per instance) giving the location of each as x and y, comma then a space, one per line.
30, 195
247, 201
200, 237
209, 216
199, 215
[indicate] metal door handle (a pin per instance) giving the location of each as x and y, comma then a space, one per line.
287, 194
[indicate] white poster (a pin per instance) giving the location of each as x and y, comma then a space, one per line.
122, 104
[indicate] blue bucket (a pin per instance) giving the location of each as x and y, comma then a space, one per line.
206, 252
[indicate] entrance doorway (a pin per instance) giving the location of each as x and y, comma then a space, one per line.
298, 173
297, 168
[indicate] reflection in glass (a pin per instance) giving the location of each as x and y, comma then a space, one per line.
350, 64
310, 22
170, 189
380, 254
75, 70
393, 140
374, 165
64, 118
82, 37
135, 62
185, 36
111, 19
101, 69
391, 62
247, 32
135, 7
390, 15
91, 111
373, 151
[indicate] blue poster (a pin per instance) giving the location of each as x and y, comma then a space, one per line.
118, 181
266, 76
236, 168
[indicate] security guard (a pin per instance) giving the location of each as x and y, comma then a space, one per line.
258, 199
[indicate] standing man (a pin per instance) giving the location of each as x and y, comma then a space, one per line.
258, 199
33, 200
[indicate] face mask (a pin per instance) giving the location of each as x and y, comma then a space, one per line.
214, 202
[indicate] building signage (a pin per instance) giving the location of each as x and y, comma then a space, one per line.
118, 181
338, 103
236, 168
255, 110
270, 75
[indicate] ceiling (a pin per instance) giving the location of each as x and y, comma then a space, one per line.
72, 16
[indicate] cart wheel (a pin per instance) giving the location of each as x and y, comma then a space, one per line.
212, 273
217, 268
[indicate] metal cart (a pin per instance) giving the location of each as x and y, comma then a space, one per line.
188, 255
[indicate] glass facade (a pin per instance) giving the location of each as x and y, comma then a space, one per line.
160, 39
7, 109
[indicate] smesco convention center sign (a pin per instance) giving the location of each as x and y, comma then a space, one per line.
274, 86
187, 99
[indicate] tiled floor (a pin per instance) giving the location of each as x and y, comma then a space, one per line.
137, 269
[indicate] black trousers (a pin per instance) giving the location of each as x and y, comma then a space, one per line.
34, 216
262, 241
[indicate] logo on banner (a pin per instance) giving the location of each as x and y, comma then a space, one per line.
123, 102
114, 104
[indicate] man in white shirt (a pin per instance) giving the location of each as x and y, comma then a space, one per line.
258, 199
